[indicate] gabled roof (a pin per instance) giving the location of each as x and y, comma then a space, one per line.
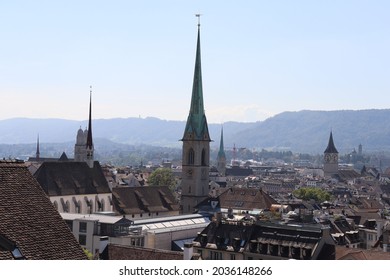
29, 220
137, 200
245, 199
71, 178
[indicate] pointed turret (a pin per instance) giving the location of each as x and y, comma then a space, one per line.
89, 136
37, 153
89, 143
331, 149
221, 152
196, 127
221, 159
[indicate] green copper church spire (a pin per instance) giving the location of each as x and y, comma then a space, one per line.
196, 127
197, 89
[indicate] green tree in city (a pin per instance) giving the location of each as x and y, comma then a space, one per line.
162, 177
309, 193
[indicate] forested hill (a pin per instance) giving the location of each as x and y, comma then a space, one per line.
303, 131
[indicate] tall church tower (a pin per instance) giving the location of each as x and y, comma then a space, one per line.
331, 158
221, 159
196, 145
83, 149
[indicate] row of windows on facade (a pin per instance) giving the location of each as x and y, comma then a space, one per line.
215, 255
104, 229
78, 206
136, 241
274, 250
101, 229
191, 157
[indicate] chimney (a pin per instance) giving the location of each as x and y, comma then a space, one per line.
103, 243
230, 213
218, 217
188, 251
386, 239
379, 228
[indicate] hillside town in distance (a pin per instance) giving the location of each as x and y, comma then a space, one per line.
200, 208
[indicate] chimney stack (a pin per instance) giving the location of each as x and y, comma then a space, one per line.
103, 243
188, 251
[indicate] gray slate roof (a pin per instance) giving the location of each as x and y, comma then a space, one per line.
71, 178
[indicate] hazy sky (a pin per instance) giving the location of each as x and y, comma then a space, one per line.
259, 58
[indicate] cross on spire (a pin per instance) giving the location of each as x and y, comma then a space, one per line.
198, 16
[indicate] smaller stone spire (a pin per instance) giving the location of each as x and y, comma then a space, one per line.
37, 154
221, 152
89, 143
221, 159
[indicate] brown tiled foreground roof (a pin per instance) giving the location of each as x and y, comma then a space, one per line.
121, 252
343, 253
29, 220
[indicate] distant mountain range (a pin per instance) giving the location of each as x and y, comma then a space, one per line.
303, 131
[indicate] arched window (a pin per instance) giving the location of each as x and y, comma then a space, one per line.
102, 204
79, 208
204, 162
90, 206
191, 156
67, 208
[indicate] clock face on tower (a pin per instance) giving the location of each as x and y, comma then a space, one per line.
331, 158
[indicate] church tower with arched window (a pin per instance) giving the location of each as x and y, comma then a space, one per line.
331, 158
196, 145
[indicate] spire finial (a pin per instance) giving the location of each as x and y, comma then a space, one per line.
198, 16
